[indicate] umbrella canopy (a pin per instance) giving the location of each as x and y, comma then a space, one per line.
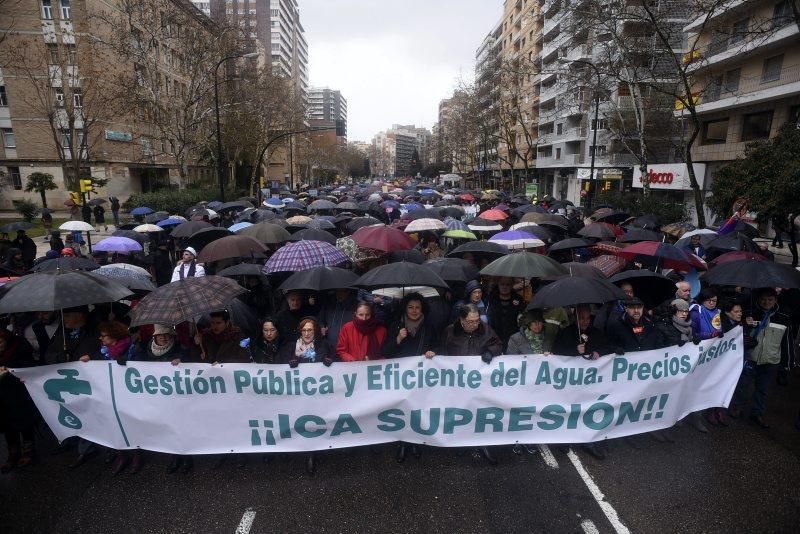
76, 226
188, 228
539, 231
268, 233
185, 299
242, 269
231, 246
583, 269
127, 267
652, 288
479, 248
274, 203
236, 205
677, 229
455, 224
524, 265
358, 254
663, 254
383, 238
647, 222
747, 229
517, 240
574, 290
482, 225
310, 234
640, 234
451, 211
320, 279
13, 227
130, 279
753, 274
304, 255
118, 244
298, 220
460, 234
171, 221
239, 226
319, 205
700, 231
66, 264
320, 224
493, 215
608, 264
97, 201
732, 242
453, 269
402, 274
610, 216
413, 255
347, 206
55, 290
425, 225
141, 210
153, 218
569, 244
204, 237
144, 228
736, 256
361, 222
130, 234
597, 231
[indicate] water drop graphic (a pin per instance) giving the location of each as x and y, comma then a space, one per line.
68, 419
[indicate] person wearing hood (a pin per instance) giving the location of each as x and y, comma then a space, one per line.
504, 307
14, 265
473, 294
188, 267
27, 246
55, 241
535, 336
705, 316
162, 264
362, 338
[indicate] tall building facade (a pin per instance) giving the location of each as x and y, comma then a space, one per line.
391, 154
328, 108
422, 139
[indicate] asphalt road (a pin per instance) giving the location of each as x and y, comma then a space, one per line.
735, 479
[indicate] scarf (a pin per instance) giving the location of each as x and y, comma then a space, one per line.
367, 328
684, 327
118, 349
305, 350
159, 351
536, 341
413, 326
191, 272
764, 322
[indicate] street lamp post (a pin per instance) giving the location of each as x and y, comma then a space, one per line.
220, 166
594, 133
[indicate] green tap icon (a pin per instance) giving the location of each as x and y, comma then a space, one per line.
69, 384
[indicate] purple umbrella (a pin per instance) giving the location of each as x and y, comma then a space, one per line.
304, 255
118, 244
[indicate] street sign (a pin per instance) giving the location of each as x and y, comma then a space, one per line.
532, 190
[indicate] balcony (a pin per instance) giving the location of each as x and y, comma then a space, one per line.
550, 93
550, 6
553, 46
546, 139
744, 86
552, 24
573, 159
725, 48
580, 53
575, 134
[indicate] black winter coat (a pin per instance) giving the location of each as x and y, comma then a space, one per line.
263, 352
457, 342
416, 345
85, 342
17, 411
622, 336
566, 343
502, 315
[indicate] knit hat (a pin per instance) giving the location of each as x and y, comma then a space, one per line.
634, 301
680, 305
163, 329
67, 251
472, 285
191, 251
51, 254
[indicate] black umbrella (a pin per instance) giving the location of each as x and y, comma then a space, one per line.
55, 290
747, 229
267, 232
242, 269
184, 300
320, 224
186, 229
97, 201
129, 279
524, 265
752, 274
597, 231
65, 264
203, 237
243, 316
423, 214
610, 216
403, 274
261, 215
542, 233
453, 269
139, 237
310, 234
13, 227
237, 205
413, 255
479, 248
583, 270
348, 206
320, 279
653, 288
569, 244
321, 205
156, 217
648, 222
361, 222
450, 211
733, 242
640, 234
573, 290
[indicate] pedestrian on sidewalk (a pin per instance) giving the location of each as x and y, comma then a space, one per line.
86, 212
100, 216
47, 223
115, 210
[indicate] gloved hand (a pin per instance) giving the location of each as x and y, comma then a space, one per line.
327, 362
487, 357
696, 340
619, 352
122, 360
294, 362
681, 343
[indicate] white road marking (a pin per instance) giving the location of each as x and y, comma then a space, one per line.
247, 522
547, 456
608, 510
589, 527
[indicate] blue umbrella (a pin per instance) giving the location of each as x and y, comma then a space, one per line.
413, 206
428, 192
169, 222
390, 204
453, 224
274, 202
141, 210
239, 226
214, 204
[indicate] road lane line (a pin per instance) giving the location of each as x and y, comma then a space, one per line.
611, 514
247, 522
589, 527
547, 456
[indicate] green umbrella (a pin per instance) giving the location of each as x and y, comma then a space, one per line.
459, 234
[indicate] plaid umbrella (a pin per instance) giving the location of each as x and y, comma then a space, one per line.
610, 265
185, 299
304, 255
55, 290
118, 244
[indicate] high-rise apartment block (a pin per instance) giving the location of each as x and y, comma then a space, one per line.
328, 108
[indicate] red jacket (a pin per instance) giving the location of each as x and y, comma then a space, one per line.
352, 345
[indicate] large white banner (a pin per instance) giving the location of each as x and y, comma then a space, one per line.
445, 401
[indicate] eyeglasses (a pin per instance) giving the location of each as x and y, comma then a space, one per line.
307, 330
471, 321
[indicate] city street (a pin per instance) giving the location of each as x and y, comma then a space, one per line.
702, 482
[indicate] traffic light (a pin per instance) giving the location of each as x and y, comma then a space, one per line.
86, 185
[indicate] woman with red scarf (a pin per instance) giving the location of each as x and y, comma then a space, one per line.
362, 338
17, 412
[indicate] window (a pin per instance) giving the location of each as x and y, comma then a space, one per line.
66, 139
77, 98
772, 69
66, 11
58, 94
731, 84
8, 138
781, 14
71, 54
16, 177
47, 9
559, 128
53, 50
756, 126
715, 132
739, 31
3, 97
600, 124
558, 153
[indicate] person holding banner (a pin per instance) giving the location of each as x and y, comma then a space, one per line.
634, 331
362, 338
18, 414
469, 336
266, 347
411, 335
310, 346
221, 341
705, 316
581, 338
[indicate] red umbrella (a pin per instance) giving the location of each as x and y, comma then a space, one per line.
736, 256
493, 215
466, 197
666, 256
383, 238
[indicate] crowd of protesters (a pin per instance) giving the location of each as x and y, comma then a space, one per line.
484, 316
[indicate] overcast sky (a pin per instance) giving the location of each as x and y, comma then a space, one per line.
393, 60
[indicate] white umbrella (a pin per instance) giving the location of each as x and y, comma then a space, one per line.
701, 231
519, 243
425, 225
522, 225
400, 292
485, 228
144, 228
76, 226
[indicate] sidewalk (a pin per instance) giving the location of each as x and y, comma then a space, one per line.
43, 244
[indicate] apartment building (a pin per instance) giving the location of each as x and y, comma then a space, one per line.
56, 100
422, 138
391, 154
328, 108
487, 93
746, 77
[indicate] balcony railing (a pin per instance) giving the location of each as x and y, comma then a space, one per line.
723, 43
573, 159
744, 86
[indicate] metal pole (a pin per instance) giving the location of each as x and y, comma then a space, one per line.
220, 169
594, 150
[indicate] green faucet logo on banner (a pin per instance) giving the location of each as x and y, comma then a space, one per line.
55, 387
